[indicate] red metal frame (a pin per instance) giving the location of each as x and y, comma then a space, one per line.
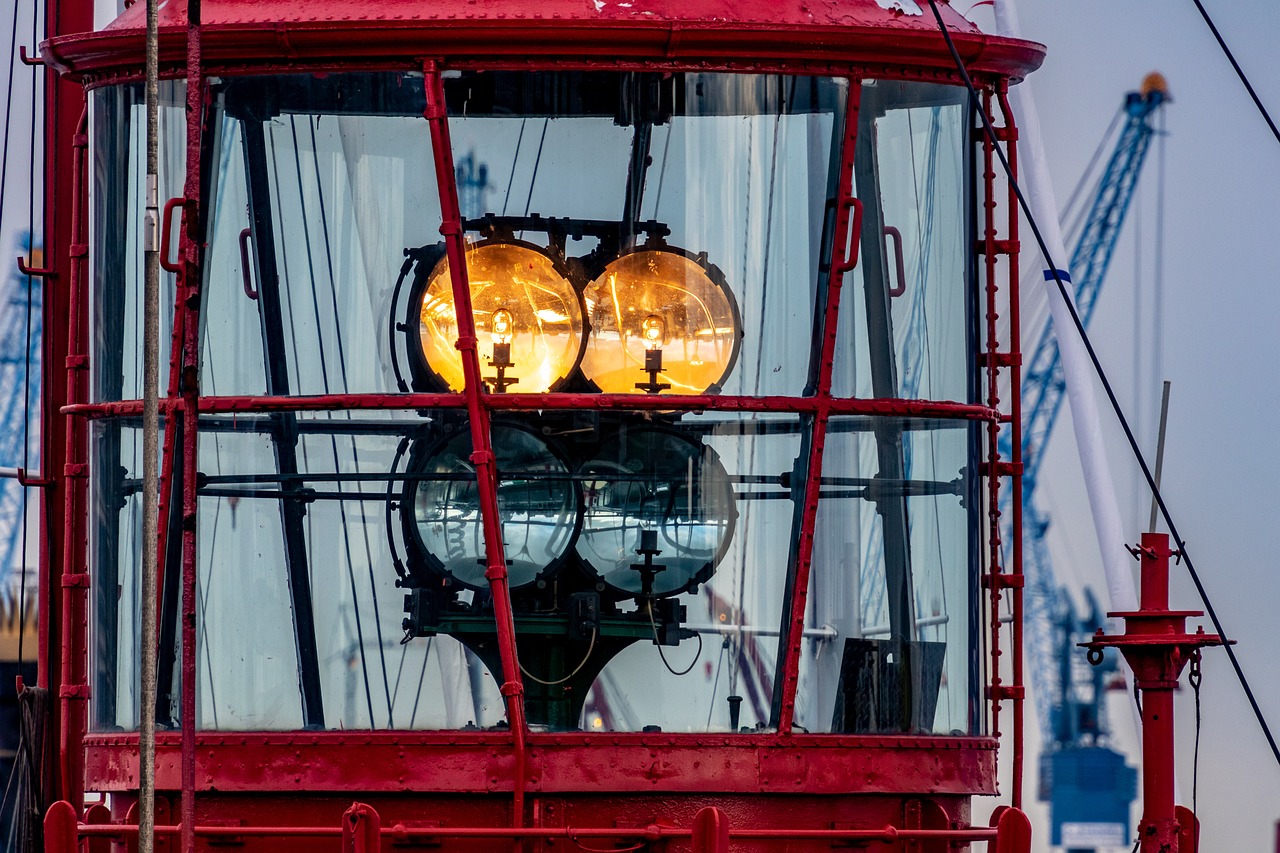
1157, 647
482, 458
536, 762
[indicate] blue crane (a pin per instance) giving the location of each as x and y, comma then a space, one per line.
1088, 785
20, 333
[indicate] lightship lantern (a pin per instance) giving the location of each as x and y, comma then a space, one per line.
557, 452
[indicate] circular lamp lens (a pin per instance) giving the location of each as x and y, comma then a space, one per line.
651, 490
537, 507
528, 319
660, 301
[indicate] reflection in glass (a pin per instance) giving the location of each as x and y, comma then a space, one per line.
537, 503
662, 314
659, 512
528, 319
893, 562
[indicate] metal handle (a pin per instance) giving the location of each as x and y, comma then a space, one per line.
899, 265
245, 272
849, 260
166, 227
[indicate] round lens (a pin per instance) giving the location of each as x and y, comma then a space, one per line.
659, 512
537, 507
660, 302
528, 319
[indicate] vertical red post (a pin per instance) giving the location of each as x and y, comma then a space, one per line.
1157, 646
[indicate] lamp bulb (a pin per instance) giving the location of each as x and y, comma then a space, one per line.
501, 326
654, 330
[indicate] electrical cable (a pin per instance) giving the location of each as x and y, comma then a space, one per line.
591, 647
1239, 71
1052, 269
658, 643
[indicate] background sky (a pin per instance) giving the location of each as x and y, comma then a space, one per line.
1220, 301
1220, 348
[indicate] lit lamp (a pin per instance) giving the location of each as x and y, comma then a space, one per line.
659, 512
527, 314
537, 506
661, 314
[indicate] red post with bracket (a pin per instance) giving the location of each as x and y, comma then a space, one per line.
1157, 647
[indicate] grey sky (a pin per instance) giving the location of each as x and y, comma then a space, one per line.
1220, 346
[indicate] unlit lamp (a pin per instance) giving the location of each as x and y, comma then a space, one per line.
537, 507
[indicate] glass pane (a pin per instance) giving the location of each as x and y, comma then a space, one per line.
271, 519
720, 676
119, 197
704, 222
895, 566
320, 184
906, 313
665, 603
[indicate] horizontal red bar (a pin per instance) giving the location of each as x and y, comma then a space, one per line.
653, 832
538, 402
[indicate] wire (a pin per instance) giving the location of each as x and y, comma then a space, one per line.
1239, 71
1194, 678
577, 669
688, 669
355, 449
1052, 269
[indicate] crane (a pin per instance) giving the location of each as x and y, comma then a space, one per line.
20, 335
1087, 784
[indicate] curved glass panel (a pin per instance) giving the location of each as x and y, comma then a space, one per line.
907, 309
659, 512
528, 320
537, 502
893, 581
736, 170
632, 233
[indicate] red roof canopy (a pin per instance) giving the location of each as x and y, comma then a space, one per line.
264, 33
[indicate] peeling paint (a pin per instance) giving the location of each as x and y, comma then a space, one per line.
904, 7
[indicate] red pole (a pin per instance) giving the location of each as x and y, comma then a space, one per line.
1157, 647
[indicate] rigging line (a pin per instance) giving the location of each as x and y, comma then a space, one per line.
395, 691
515, 160
1239, 73
1141, 459
324, 378
537, 161
355, 450
715, 684
417, 696
662, 173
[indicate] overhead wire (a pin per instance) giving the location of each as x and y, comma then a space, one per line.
1257, 102
1052, 270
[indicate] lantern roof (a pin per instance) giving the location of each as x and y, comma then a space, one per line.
881, 36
